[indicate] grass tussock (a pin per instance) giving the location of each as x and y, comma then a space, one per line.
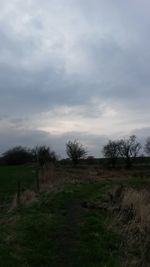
139, 202
133, 220
48, 175
26, 198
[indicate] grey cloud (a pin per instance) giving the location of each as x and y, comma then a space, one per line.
60, 53
143, 133
31, 138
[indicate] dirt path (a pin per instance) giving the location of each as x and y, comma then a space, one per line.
68, 244
58, 232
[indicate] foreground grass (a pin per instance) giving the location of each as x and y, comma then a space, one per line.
10, 175
57, 231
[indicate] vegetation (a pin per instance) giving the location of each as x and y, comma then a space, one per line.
43, 155
129, 150
9, 177
87, 216
126, 149
17, 155
57, 231
75, 151
111, 152
147, 146
79, 218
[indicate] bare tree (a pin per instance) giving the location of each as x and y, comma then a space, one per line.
43, 155
147, 146
111, 152
129, 149
75, 151
17, 155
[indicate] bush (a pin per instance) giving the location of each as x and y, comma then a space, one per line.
17, 155
75, 151
43, 155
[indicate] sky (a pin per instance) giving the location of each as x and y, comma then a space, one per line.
73, 69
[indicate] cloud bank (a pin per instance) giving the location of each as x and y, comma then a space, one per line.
73, 69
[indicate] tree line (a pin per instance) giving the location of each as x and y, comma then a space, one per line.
21, 155
127, 149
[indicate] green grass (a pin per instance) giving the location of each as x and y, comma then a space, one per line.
57, 231
10, 175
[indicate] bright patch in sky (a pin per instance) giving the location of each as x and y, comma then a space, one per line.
73, 69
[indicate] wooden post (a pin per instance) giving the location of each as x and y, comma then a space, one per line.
37, 180
18, 193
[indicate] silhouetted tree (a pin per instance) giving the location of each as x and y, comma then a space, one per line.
147, 146
111, 152
129, 149
75, 151
17, 155
43, 155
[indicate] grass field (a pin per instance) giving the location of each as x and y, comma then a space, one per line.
10, 175
57, 229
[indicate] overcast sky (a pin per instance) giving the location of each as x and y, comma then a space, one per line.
73, 69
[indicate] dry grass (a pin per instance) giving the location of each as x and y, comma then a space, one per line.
54, 178
57, 175
133, 220
133, 216
131, 207
53, 175
139, 201
26, 198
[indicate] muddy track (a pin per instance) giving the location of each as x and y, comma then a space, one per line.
69, 235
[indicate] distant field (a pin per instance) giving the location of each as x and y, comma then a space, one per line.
10, 175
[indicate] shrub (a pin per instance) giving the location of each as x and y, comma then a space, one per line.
17, 155
75, 151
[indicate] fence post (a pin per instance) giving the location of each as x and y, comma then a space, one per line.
18, 193
37, 180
